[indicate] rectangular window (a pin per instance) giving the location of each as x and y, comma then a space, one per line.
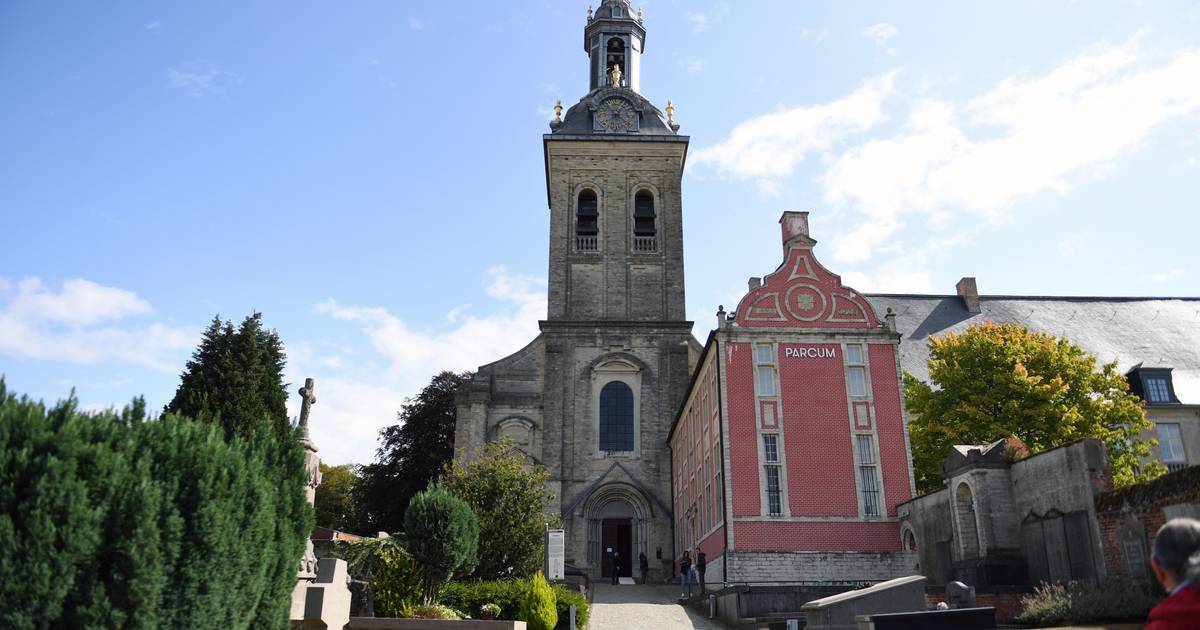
708, 511
770, 449
870, 491
857, 381
764, 353
766, 380
866, 450
1170, 443
854, 354
774, 501
720, 492
1156, 390
867, 474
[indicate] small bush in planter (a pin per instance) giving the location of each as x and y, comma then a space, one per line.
538, 609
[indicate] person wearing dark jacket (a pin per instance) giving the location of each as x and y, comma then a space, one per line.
701, 566
616, 572
643, 565
1176, 563
685, 574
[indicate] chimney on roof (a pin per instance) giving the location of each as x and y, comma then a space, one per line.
794, 224
754, 284
969, 293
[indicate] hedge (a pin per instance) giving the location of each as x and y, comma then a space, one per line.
111, 521
508, 594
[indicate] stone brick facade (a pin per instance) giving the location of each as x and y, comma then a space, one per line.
790, 452
1130, 517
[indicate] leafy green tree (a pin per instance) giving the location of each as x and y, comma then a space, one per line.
508, 493
109, 520
442, 535
999, 380
538, 609
235, 378
334, 502
411, 454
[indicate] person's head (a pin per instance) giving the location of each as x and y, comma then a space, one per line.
687, 554
1176, 554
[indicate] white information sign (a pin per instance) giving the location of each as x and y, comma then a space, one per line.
556, 547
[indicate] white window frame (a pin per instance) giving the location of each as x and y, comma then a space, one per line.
876, 463
1173, 442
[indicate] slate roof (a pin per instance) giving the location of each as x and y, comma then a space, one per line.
577, 120
1157, 332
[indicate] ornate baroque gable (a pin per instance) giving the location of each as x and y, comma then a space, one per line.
801, 293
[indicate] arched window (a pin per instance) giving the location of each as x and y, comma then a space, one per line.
616, 417
587, 221
968, 530
910, 541
616, 57
643, 214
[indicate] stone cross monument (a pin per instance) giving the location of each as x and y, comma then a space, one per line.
321, 598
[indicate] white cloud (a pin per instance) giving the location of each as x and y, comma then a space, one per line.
768, 148
882, 33
153, 26
200, 78
80, 324
359, 408
415, 23
1024, 137
1165, 276
691, 65
701, 22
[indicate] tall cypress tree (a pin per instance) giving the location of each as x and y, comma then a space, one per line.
235, 378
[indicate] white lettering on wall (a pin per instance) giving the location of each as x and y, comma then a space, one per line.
810, 353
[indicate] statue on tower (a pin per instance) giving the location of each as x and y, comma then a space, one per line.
616, 75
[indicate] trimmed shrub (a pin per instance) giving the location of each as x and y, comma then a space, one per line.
109, 520
435, 611
1086, 602
538, 608
565, 596
442, 535
469, 596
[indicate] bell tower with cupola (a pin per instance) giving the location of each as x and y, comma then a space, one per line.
614, 38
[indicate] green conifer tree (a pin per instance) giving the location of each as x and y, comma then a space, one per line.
235, 378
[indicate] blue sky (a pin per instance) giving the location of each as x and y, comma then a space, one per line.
369, 175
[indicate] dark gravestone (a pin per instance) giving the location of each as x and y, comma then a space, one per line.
960, 619
1079, 546
1133, 542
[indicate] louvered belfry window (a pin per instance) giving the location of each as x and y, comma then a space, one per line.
643, 214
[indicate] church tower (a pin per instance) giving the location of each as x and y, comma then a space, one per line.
593, 397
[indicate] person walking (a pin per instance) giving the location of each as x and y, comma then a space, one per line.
1176, 564
701, 565
643, 565
685, 574
616, 572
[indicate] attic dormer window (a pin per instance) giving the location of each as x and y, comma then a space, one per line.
1156, 390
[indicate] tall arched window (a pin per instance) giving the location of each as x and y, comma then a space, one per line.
643, 214
587, 221
644, 228
616, 417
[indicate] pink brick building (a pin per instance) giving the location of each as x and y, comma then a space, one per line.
790, 452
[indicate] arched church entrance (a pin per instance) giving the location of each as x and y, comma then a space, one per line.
618, 521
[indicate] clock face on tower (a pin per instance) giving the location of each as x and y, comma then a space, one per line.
615, 114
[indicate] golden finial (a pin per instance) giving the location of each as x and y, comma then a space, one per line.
670, 112
558, 111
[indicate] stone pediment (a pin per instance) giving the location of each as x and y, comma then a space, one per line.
802, 293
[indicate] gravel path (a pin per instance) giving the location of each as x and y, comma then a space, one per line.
642, 607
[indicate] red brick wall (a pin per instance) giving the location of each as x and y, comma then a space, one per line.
816, 428
889, 420
743, 434
816, 536
714, 545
